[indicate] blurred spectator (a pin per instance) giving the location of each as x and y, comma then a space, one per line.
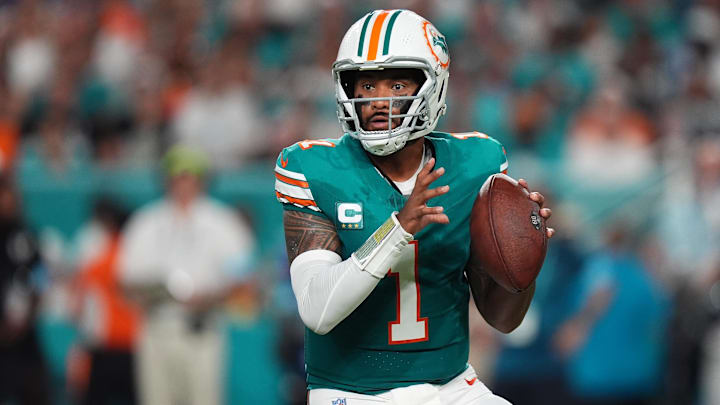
610, 144
58, 144
23, 374
178, 261
54, 165
118, 43
54, 180
31, 56
690, 226
615, 339
103, 361
219, 115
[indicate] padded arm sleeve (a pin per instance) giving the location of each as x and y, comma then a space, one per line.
328, 289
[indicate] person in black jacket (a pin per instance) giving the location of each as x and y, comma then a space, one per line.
23, 374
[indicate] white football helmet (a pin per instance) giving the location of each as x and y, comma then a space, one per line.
392, 39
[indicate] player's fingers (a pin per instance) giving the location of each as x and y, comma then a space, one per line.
428, 178
427, 168
524, 183
545, 213
431, 210
434, 192
537, 197
435, 219
550, 232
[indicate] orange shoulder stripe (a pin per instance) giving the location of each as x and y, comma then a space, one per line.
288, 180
295, 200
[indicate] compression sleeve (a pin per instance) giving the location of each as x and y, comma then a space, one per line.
328, 289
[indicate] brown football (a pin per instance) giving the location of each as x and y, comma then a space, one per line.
508, 237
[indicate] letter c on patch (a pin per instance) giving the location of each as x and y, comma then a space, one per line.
349, 213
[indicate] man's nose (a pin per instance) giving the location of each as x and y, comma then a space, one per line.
382, 104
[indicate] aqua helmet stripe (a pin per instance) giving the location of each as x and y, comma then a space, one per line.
362, 34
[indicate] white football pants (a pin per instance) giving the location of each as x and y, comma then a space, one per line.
464, 389
178, 366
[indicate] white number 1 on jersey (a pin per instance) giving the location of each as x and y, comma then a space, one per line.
409, 327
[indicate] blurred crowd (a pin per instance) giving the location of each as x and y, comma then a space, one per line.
611, 108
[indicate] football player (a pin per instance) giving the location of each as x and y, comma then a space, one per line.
377, 251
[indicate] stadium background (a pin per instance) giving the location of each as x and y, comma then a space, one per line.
611, 108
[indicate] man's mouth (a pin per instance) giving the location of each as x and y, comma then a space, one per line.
378, 122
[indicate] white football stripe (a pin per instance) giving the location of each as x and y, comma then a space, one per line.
293, 191
285, 201
288, 173
504, 166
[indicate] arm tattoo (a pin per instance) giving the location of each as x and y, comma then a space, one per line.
305, 232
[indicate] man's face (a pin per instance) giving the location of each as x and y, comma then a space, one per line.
383, 83
185, 187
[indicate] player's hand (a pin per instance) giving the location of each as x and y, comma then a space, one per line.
416, 214
540, 199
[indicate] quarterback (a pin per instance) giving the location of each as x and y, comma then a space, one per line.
377, 254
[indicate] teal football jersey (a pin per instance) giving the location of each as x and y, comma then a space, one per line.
413, 327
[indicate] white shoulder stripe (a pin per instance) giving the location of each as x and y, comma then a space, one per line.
293, 191
288, 173
504, 166
312, 207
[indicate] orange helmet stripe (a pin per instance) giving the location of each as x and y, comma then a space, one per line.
375, 35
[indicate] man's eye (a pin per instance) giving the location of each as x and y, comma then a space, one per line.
398, 86
367, 86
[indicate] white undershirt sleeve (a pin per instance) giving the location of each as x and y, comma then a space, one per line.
328, 289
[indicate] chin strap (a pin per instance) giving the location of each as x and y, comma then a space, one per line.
391, 146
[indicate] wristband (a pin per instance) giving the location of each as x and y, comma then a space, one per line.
382, 249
